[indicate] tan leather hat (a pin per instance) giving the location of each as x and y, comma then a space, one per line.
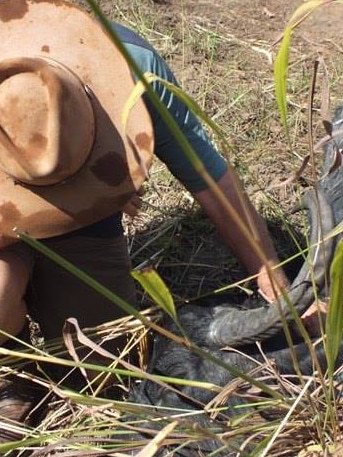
66, 159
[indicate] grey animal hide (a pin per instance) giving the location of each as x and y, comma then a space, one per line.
212, 326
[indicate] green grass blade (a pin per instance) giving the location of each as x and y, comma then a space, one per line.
154, 285
305, 10
280, 76
282, 57
334, 320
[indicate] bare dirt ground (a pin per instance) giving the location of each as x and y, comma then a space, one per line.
222, 53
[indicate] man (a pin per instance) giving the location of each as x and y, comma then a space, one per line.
69, 168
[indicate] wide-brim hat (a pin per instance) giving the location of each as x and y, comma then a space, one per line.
66, 159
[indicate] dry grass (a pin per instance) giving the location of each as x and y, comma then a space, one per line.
94, 423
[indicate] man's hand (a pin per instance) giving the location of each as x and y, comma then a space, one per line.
133, 206
272, 284
314, 317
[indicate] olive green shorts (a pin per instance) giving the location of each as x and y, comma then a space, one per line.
54, 294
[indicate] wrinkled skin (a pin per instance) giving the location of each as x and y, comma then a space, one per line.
200, 321
171, 359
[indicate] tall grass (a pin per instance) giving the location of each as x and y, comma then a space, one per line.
334, 321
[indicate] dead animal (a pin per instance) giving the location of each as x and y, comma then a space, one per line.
212, 326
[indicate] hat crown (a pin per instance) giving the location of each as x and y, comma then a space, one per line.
46, 121
75, 161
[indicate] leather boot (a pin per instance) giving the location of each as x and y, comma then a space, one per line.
20, 404
21, 399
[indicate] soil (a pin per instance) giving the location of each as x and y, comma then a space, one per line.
222, 53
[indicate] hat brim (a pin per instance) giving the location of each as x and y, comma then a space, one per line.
118, 163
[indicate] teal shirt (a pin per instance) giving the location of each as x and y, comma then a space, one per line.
167, 148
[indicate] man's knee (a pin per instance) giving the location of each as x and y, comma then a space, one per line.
14, 277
